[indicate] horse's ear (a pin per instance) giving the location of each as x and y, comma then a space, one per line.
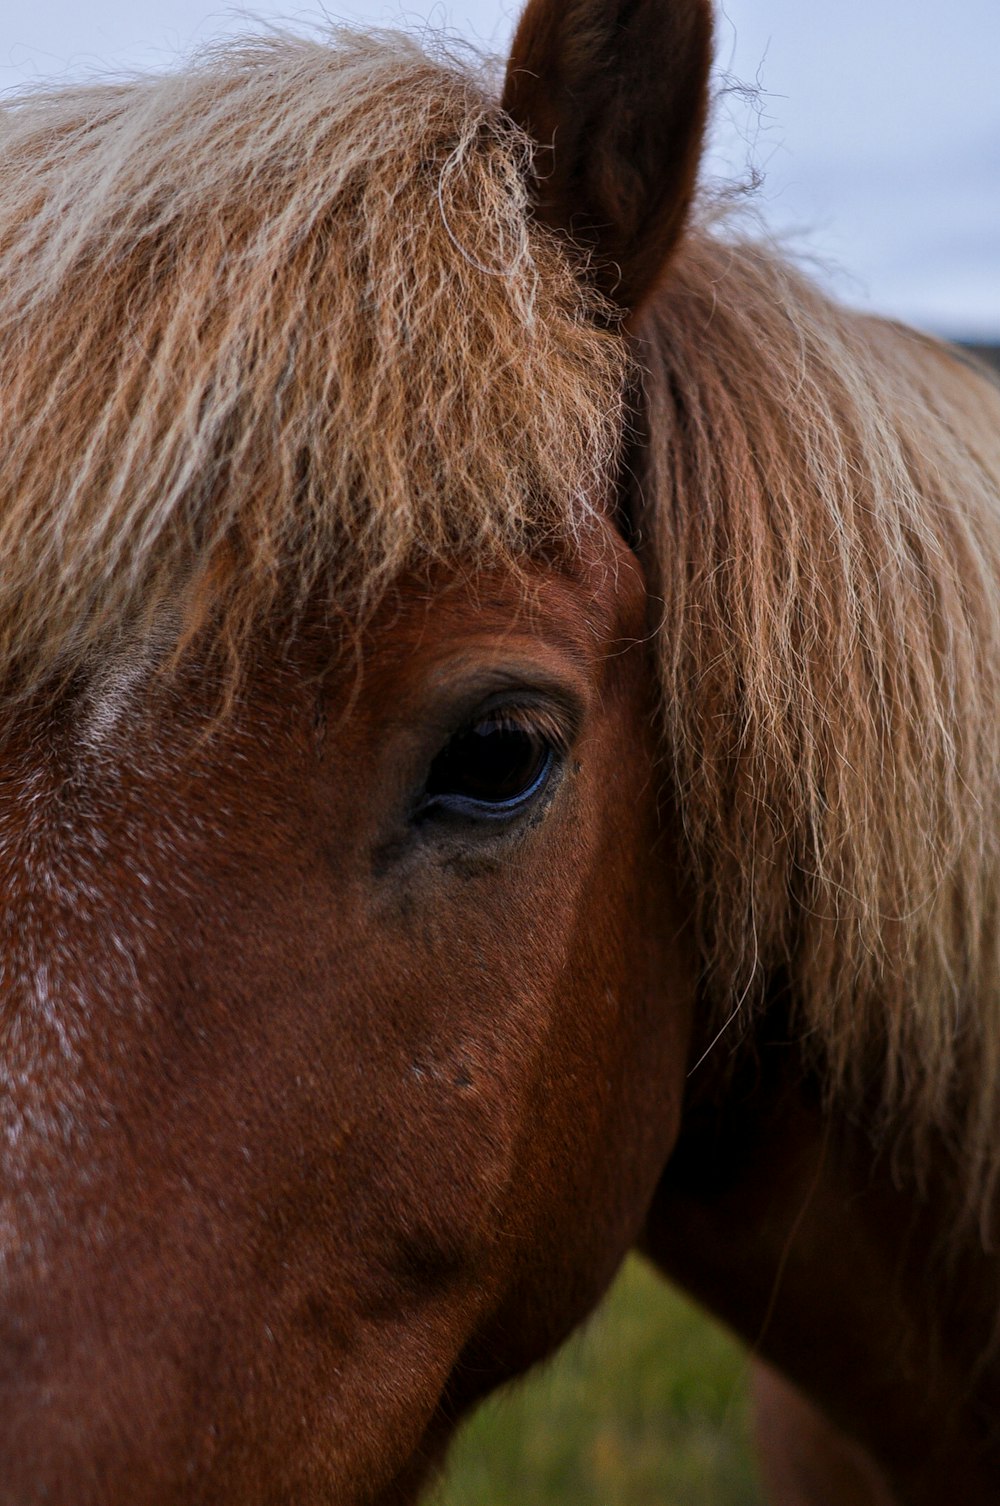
614, 93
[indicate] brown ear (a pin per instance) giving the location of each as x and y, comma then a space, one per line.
614, 92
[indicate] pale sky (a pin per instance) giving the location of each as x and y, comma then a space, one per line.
876, 129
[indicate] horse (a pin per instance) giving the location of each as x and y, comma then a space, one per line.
500, 767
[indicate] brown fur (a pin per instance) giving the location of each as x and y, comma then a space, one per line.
273, 333
804, 1460
286, 320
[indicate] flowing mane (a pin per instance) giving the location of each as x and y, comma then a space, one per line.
823, 497
284, 321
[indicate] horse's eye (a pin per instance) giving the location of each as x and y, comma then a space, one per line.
492, 768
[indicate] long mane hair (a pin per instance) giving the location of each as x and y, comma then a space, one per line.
284, 321
823, 505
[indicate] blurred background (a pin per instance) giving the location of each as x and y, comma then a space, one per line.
872, 135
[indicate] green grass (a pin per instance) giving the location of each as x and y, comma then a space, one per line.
646, 1408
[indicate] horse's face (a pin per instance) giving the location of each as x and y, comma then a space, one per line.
343, 1036
348, 1077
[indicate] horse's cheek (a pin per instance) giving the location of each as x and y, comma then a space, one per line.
605, 1030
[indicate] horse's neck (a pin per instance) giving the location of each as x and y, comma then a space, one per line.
782, 1220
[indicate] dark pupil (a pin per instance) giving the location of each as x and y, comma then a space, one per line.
490, 762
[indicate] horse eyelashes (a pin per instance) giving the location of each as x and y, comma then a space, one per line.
495, 766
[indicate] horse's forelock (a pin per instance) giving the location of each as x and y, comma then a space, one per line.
275, 324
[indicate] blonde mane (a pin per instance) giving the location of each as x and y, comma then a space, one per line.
824, 520
283, 322
277, 323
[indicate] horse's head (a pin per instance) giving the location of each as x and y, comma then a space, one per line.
344, 1027
339, 1071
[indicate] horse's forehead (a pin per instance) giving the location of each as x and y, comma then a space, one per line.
572, 607
574, 604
